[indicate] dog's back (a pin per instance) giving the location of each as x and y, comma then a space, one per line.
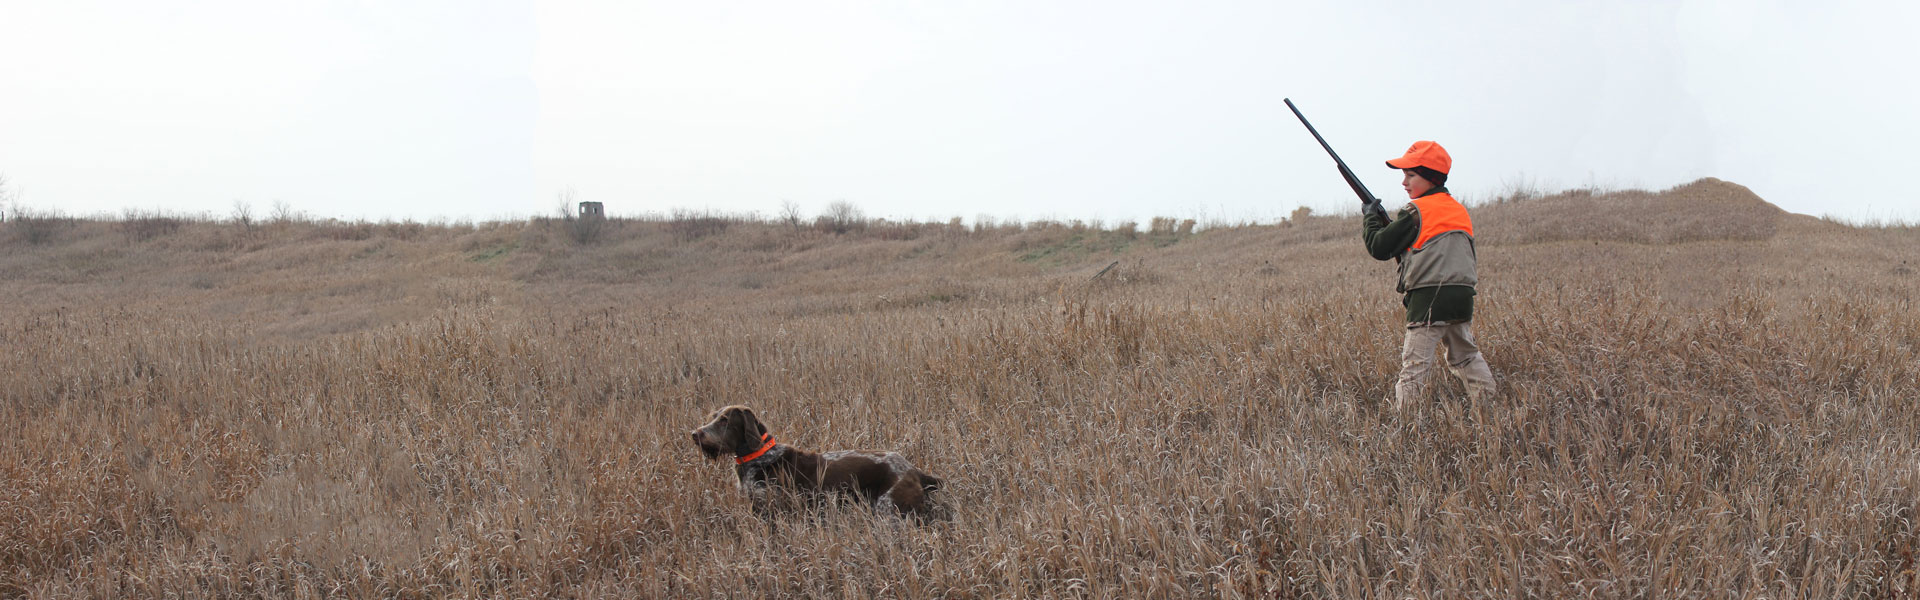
884, 479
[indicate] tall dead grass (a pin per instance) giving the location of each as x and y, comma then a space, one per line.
1677, 420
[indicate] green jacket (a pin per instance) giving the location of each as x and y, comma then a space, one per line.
1444, 304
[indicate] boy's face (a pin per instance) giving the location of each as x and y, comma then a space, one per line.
1415, 184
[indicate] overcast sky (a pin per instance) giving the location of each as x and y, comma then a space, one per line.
1027, 109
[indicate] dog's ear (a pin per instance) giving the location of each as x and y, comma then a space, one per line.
750, 427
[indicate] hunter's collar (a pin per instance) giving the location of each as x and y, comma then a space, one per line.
765, 437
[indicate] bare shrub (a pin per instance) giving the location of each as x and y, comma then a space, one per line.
1519, 188
141, 226
37, 227
1048, 225
790, 214
402, 230
1162, 226
693, 225
338, 230
8, 198
242, 214
284, 213
984, 223
893, 231
841, 217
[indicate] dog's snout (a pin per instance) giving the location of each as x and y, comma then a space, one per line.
696, 435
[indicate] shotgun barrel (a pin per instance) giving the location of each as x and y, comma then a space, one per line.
1368, 203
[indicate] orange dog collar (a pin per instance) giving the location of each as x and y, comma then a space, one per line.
756, 454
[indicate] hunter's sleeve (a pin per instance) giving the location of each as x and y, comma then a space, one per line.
1387, 240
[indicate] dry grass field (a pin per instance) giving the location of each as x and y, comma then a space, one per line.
1702, 397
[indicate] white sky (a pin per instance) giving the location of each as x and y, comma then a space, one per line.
927, 110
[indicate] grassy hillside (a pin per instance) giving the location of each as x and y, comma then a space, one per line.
1701, 396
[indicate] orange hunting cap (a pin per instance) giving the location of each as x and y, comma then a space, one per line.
1424, 154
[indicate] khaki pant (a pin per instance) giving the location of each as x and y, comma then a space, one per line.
1418, 356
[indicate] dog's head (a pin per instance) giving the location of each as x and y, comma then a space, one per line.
731, 430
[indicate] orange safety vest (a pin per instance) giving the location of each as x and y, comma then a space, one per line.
1440, 213
1443, 253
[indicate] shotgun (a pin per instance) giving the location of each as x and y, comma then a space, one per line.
1368, 204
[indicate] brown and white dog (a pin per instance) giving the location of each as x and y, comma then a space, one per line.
771, 472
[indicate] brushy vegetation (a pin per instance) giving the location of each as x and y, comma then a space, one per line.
394, 410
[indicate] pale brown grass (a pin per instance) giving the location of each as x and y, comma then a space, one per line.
499, 410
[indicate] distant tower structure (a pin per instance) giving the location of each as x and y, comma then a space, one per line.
592, 210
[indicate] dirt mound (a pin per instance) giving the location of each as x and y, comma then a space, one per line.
1707, 209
